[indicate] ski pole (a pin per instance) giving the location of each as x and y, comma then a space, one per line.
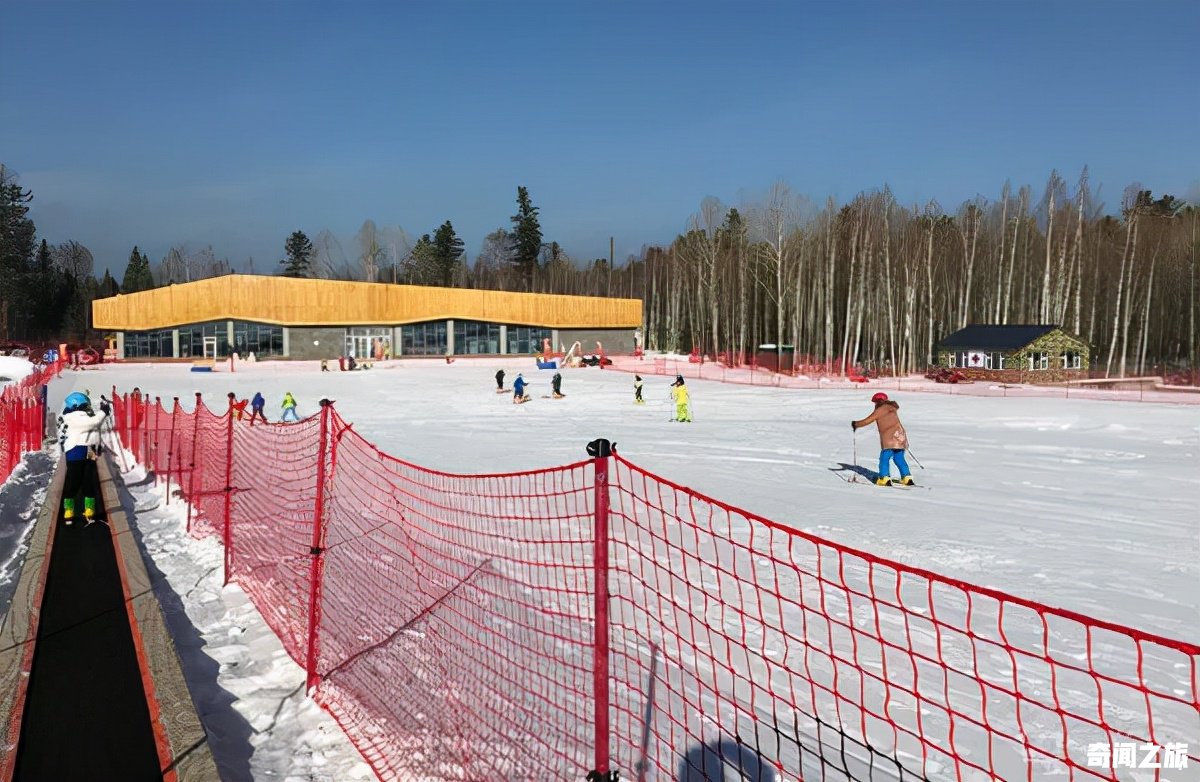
915, 459
854, 439
109, 427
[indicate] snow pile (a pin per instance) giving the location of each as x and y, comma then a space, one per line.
13, 369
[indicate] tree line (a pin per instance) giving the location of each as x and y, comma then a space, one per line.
871, 282
877, 283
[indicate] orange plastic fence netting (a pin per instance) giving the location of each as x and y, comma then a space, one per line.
544, 624
23, 417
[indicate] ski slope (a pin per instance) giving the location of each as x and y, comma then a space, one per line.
1085, 505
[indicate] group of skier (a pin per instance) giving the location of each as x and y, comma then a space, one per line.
893, 441
519, 385
80, 427
679, 392
258, 405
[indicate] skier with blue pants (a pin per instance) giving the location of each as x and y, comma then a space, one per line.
519, 390
289, 406
892, 439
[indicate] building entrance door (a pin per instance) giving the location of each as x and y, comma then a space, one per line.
358, 346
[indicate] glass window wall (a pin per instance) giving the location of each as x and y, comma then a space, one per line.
471, 336
423, 339
191, 339
527, 340
149, 344
257, 338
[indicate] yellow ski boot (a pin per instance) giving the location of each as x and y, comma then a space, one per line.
68, 510
883, 480
89, 508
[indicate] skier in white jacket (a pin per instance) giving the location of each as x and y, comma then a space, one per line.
79, 435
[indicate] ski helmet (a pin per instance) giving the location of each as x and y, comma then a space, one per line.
880, 397
76, 401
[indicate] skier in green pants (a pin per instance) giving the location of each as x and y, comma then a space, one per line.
679, 393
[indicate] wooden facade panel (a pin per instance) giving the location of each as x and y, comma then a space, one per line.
302, 302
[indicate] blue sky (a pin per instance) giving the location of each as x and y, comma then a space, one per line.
234, 124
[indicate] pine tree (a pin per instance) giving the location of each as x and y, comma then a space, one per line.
137, 275
147, 279
17, 240
447, 253
108, 286
133, 272
527, 237
420, 267
299, 251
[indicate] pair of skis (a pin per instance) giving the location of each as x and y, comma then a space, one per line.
892, 485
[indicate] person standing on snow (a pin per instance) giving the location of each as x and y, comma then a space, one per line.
556, 385
679, 393
256, 407
892, 439
500, 381
79, 435
519, 390
289, 406
637, 390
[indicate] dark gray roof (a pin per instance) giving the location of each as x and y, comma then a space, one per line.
980, 335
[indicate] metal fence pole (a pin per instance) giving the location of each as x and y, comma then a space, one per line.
317, 552
226, 532
601, 451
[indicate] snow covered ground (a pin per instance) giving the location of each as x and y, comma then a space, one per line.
13, 368
1091, 506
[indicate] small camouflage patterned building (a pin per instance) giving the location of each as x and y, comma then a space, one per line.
1015, 353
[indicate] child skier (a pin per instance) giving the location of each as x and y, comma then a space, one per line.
556, 386
79, 435
519, 395
500, 381
892, 439
289, 406
637, 390
256, 407
679, 393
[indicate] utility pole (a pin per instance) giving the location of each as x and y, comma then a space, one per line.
610, 266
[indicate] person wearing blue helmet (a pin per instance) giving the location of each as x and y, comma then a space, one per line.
519, 395
79, 430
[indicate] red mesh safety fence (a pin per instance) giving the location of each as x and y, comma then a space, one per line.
544, 624
1159, 389
23, 416
457, 611
823, 662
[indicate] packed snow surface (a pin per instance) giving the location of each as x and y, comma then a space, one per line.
1085, 505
